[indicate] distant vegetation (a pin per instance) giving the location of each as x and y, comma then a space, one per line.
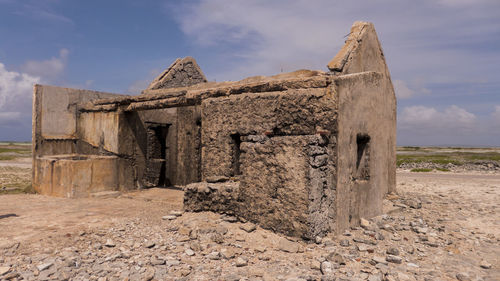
15, 179
421, 170
446, 155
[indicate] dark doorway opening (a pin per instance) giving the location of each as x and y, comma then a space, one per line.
157, 154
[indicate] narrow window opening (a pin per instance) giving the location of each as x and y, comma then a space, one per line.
363, 157
235, 154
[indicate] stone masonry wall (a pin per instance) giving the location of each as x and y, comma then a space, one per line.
291, 112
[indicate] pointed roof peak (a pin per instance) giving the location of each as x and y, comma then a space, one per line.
181, 73
361, 52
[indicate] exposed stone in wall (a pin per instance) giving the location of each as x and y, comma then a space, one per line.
219, 197
284, 183
292, 112
183, 72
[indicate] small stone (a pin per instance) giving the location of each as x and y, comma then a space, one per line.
10, 276
364, 248
44, 266
288, 246
379, 259
327, 241
184, 231
414, 203
149, 274
149, 244
422, 230
326, 268
248, 227
344, 243
195, 246
189, 252
109, 243
364, 223
172, 262
240, 261
336, 258
217, 238
375, 277
414, 265
229, 219
222, 230
227, 253
394, 259
176, 213
318, 239
462, 277
315, 265
393, 251
169, 217
4, 270
260, 249
329, 277
484, 264
214, 256
379, 236
157, 261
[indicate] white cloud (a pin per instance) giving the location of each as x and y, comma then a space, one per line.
402, 91
428, 120
15, 94
272, 35
48, 69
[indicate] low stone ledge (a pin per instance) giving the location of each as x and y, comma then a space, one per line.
220, 197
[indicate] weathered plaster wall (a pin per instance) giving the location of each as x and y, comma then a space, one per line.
367, 107
100, 129
81, 175
55, 118
59, 130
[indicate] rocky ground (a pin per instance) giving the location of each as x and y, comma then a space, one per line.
482, 166
441, 226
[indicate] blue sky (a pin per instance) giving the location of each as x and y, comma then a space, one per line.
444, 55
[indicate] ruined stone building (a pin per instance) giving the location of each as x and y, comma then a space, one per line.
302, 153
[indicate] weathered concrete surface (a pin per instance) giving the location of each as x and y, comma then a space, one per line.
287, 184
80, 176
59, 129
292, 112
183, 72
361, 52
366, 109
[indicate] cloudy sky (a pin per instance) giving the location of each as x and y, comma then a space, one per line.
444, 55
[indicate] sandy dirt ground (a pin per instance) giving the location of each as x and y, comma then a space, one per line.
460, 211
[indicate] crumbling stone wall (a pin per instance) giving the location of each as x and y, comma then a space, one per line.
291, 112
302, 153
